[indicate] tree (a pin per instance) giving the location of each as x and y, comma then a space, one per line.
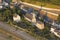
7, 14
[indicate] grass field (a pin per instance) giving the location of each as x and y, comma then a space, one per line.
45, 4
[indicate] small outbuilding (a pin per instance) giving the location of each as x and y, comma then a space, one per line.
16, 18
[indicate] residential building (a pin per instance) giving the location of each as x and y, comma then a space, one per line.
16, 18
14, 0
7, 1
32, 18
11, 5
1, 7
22, 6
1, 4
55, 31
28, 17
40, 25
5, 4
1, 1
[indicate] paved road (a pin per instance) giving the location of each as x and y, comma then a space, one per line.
2, 37
57, 11
18, 33
5, 35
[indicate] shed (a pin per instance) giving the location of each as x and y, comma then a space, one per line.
16, 18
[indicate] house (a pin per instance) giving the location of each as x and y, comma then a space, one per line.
28, 17
5, 4
16, 18
55, 31
22, 6
1, 1
56, 24
31, 17
40, 25
11, 5
14, 0
7, 1
1, 4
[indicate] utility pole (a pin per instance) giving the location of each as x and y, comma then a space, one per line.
41, 5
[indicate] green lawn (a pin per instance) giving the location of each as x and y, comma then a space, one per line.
45, 4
